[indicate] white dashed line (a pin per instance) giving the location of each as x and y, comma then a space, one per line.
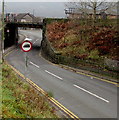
91, 93
35, 41
53, 75
35, 65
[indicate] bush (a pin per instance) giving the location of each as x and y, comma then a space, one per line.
94, 54
83, 56
103, 50
63, 45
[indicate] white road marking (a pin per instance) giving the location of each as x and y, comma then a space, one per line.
91, 93
34, 64
91, 77
54, 75
35, 41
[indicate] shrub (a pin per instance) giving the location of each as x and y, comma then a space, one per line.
63, 45
83, 56
57, 30
94, 54
76, 43
104, 40
104, 49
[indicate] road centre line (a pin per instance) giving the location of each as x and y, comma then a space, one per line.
53, 75
91, 93
36, 41
34, 64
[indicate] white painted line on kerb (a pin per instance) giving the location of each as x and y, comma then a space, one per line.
35, 41
91, 93
54, 75
35, 65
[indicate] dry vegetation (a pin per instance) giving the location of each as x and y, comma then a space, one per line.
84, 41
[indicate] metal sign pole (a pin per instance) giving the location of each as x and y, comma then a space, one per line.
26, 46
26, 64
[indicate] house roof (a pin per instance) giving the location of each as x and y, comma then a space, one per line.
21, 15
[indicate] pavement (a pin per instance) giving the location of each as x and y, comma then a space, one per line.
85, 96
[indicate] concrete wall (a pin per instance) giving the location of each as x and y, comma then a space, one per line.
46, 48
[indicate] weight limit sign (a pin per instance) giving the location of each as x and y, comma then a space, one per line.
26, 46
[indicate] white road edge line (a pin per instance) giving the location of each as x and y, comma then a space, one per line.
36, 41
92, 93
34, 64
54, 75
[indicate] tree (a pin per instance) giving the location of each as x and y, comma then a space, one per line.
91, 6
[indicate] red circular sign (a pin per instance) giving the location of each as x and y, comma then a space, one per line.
26, 46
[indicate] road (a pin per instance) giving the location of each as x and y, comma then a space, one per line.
85, 96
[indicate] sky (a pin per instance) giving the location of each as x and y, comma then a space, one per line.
41, 9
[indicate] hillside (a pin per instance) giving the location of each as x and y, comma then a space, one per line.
84, 41
84, 45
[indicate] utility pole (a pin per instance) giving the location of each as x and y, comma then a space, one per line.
33, 15
2, 42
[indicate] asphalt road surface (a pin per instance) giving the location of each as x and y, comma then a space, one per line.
85, 96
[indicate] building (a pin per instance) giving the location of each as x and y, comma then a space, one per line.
10, 17
22, 17
27, 17
75, 13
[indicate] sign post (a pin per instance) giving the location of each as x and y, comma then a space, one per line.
26, 46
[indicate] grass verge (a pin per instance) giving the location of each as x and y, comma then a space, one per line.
20, 100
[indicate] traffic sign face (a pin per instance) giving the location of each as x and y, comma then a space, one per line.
26, 46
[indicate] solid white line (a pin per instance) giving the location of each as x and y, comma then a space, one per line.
54, 75
36, 41
92, 93
34, 64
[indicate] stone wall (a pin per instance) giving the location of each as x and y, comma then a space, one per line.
112, 64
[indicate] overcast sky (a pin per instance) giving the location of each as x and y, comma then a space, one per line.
42, 9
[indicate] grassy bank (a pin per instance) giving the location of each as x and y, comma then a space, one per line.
20, 100
83, 45
84, 41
